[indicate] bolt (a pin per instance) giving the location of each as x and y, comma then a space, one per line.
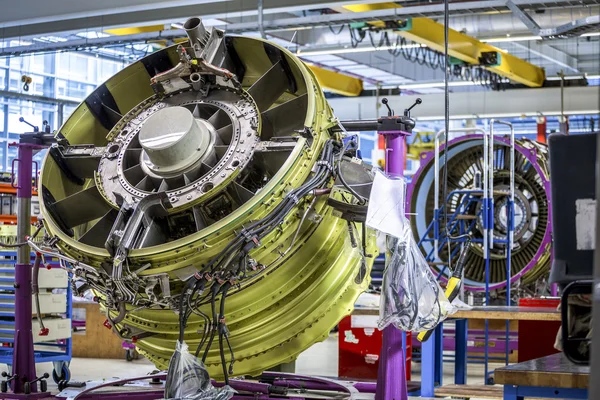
189, 197
223, 175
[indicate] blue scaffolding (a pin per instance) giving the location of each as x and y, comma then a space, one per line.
58, 352
462, 221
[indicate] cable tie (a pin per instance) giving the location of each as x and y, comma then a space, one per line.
325, 163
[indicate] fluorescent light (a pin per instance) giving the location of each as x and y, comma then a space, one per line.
511, 39
430, 85
572, 77
508, 115
364, 49
591, 34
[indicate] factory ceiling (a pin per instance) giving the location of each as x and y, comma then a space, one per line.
328, 35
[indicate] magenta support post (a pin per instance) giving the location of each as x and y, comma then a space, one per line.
391, 379
23, 357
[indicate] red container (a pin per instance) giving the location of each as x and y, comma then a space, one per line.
360, 346
536, 338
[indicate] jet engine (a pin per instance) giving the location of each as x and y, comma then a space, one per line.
194, 193
533, 230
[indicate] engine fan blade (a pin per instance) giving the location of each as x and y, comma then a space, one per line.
269, 87
219, 119
175, 182
164, 186
220, 151
146, 184
81, 207
225, 134
285, 118
239, 193
132, 157
134, 174
97, 234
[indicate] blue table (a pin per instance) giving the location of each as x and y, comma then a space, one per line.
551, 377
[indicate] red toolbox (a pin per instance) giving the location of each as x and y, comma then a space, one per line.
536, 338
360, 345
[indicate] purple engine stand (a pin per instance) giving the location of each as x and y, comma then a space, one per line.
391, 376
391, 381
23, 354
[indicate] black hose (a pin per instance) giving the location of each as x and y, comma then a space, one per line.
223, 331
35, 289
214, 290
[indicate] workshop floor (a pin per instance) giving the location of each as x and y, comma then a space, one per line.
320, 359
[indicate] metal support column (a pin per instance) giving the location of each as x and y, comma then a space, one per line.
438, 375
428, 361
23, 357
460, 352
391, 377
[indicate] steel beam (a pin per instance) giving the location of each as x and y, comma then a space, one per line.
549, 53
524, 17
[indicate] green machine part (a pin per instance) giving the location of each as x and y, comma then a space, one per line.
259, 123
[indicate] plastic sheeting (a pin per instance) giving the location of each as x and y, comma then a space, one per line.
411, 297
188, 379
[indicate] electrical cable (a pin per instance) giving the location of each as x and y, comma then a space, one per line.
238, 249
361, 199
214, 290
446, 130
35, 288
338, 32
21, 244
223, 331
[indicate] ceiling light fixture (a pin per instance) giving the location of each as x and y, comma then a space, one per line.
430, 85
511, 39
365, 49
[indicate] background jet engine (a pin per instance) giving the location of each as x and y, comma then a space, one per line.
532, 252
177, 159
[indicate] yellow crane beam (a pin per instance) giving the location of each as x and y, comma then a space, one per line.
336, 82
463, 47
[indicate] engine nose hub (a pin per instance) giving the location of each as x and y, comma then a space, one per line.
173, 140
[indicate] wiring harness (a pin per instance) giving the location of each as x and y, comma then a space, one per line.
227, 269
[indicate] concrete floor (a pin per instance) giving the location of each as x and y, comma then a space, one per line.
321, 359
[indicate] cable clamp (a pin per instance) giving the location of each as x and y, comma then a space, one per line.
251, 238
325, 163
295, 199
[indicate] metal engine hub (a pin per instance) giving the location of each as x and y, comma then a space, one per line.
192, 193
187, 145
